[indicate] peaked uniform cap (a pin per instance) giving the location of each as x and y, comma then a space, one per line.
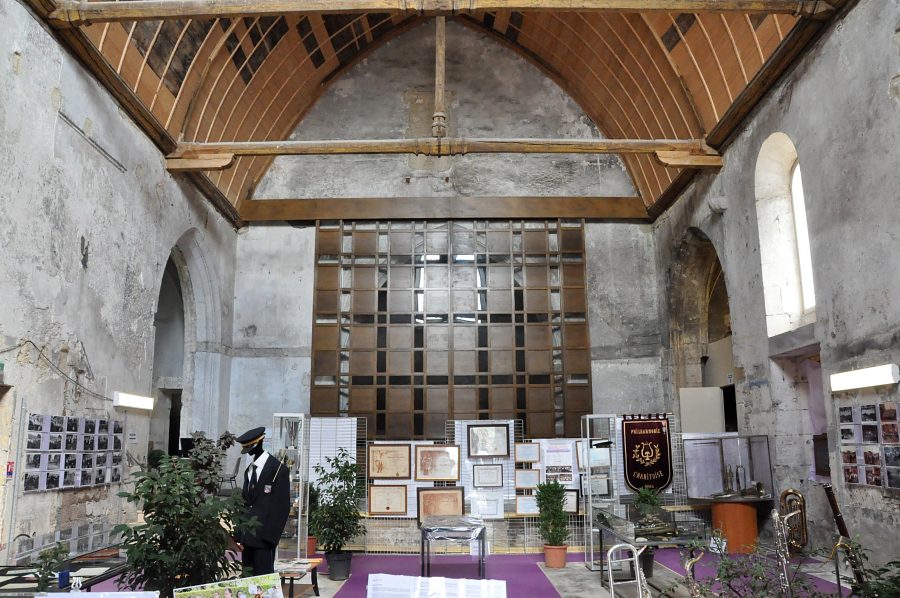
249, 438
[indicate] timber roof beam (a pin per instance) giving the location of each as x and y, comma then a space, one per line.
80, 12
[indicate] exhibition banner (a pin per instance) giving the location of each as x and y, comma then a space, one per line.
647, 451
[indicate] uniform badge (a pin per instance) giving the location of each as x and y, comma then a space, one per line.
267, 489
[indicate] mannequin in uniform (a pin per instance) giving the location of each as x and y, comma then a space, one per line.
266, 493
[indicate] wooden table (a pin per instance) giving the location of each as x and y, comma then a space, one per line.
292, 572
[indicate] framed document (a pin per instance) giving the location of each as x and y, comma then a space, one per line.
487, 476
388, 461
488, 440
571, 504
526, 505
528, 452
449, 500
528, 478
437, 462
387, 500
488, 504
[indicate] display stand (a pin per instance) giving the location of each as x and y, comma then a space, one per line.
598, 435
290, 444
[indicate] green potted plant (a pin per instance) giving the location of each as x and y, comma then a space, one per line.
647, 504
337, 518
49, 563
187, 529
311, 539
553, 522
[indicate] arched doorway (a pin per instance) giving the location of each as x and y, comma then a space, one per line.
168, 362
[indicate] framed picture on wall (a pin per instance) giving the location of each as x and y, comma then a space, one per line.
389, 461
527, 478
488, 440
387, 500
526, 505
446, 501
437, 463
571, 504
528, 452
487, 476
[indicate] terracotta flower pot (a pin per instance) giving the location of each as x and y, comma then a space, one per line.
555, 556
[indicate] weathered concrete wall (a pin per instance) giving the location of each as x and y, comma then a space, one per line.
75, 168
624, 316
840, 110
390, 95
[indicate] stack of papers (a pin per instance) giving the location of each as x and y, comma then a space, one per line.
382, 585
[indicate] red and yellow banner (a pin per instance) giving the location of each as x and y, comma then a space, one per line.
647, 451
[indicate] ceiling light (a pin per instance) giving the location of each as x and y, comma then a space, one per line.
124, 400
866, 377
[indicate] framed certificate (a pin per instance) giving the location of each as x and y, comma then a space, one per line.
571, 504
437, 463
527, 478
526, 505
389, 461
449, 500
387, 500
528, 452
487, 476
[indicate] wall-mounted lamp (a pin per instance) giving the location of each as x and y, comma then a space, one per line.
879, 375
124, 400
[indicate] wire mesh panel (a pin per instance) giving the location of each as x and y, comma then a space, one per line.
290, 443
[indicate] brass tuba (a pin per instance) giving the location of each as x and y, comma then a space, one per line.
793, 505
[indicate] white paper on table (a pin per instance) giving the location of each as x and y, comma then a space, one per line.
382, 585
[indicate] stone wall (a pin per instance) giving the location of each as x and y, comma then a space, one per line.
89, 220
843, 115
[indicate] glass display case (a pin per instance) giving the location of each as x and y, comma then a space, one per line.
596, 451
651, 526
290, 443
722, 466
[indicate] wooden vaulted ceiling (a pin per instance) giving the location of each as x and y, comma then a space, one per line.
653, 75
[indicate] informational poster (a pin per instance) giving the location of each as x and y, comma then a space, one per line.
559, 461
870, 444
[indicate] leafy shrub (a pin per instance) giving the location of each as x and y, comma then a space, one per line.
551, 500
337, 519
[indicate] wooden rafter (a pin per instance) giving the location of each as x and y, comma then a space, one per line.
601, 208
78, 12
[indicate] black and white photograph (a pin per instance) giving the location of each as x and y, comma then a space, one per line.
890, 434
90, 426
102, 426
117, 442
87, 443
873, 476
57, 422
36, 423
117, 427
69, 478
892, 456
72, 424
893, 477
845, 415
102, 443
487, 476
32, 481
116, 474
70, 461
99, 476
100, 460
116, 458
872, 455
34, 441
54, 443
33, 461
488, 440
71, 442
870, 433
52, 480
53, 461
888, 412
86, 479
868, 413
87, 460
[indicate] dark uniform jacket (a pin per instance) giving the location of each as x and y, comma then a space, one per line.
269, 502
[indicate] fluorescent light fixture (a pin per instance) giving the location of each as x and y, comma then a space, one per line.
124, 400
879, 375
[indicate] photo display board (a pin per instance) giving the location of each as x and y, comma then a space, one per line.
63, 453
870, 444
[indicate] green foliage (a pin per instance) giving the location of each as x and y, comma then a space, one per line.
186, 530
337, 518
879, 581
153, 458
648, 497
49, 563
206, 459
551, 500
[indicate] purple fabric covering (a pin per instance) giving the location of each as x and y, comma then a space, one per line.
705, 569
524, 579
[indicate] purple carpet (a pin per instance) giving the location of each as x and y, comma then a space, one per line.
523, 577
705, 569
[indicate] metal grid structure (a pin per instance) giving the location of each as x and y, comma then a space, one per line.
290, 443
456, 433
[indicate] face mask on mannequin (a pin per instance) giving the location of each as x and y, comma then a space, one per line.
256, 451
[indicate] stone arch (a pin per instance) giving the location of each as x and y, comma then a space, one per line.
694, 276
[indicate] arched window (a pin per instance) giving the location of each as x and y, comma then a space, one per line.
783, 237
